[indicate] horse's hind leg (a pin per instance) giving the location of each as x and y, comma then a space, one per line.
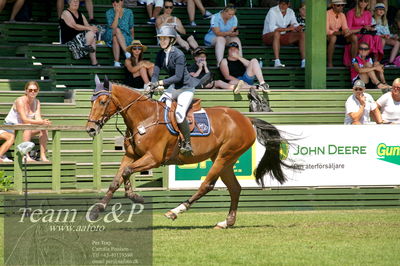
234, 188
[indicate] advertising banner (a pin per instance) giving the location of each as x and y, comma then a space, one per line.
326, 155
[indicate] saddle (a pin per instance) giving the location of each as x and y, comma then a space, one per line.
194, 107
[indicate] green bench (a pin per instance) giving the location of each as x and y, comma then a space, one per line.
50, 54
23, 33
19, 84
245, 15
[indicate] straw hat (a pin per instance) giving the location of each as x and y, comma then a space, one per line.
136, 43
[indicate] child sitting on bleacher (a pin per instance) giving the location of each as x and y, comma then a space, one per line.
382, 29
364, 68
200, 67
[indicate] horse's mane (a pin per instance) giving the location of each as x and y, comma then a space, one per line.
133, 89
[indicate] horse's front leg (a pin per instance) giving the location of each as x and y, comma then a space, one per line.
116, 183
144, 163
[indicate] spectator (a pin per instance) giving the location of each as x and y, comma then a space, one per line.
26, 110
223, 30
199, 68
360, 106
166, 19
77, 33
281, 28
88, 5
382, 29
365, 69
237, 69
301, 17
16, 8
8, 136
139, 70
389, 104
120, 32
191, 9
337, 30
372, 4
153, 10
359, 20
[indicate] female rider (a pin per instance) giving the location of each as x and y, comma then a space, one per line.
181, 85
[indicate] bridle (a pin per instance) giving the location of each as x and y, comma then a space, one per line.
105, 117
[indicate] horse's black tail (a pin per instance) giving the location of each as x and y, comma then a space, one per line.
271, 162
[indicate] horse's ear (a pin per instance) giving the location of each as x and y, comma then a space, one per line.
96, 80
106, 83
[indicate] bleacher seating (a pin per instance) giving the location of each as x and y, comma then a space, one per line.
28, 52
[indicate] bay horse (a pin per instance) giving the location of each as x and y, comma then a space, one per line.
231, 135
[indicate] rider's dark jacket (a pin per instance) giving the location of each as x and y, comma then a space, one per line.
176, 69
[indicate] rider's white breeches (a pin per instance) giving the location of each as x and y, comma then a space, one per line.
182, 96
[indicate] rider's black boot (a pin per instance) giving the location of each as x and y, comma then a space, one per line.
186, 148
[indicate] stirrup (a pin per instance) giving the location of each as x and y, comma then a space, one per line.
186, 149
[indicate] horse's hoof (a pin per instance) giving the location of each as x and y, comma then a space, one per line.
94, 214
138, 199
171, 215
219, 227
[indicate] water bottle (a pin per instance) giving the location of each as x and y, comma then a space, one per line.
260, 61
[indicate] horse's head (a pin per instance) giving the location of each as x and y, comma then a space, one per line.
102, 107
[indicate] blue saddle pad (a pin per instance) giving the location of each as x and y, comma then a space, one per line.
202, 123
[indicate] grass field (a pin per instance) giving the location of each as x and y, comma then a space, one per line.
356, 237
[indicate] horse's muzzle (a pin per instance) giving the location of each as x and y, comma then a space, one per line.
91, 131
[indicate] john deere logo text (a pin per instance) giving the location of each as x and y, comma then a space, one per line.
390, 154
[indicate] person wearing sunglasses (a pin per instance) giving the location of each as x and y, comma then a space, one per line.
139, 71
120, 31
337, 30
365, 69
389, 104
166, 19
382, 29
26, 110
359, 20
360, 106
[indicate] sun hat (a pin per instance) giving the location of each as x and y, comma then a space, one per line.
380, 6
136, 43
